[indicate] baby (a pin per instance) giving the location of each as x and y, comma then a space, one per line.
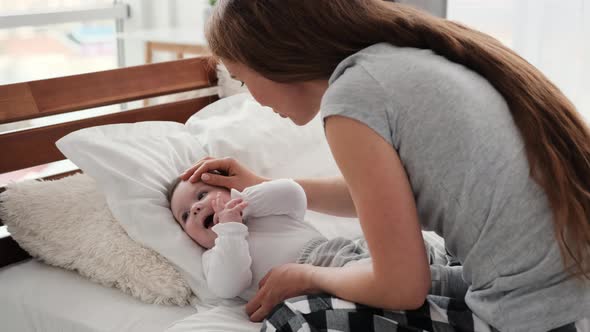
245, 233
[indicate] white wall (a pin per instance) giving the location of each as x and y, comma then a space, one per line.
190, 13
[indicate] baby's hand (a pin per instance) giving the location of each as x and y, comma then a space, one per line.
228, 211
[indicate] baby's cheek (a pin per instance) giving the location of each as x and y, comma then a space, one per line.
213, 236
193, 232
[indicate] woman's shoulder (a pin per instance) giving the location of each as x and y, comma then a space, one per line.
402, 75
387, 87
387, 63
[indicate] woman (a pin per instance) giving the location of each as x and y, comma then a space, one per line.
434, 126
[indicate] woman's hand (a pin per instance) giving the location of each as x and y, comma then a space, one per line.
280, 283
239, 177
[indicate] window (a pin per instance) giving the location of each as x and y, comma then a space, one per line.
47, 38
32, 53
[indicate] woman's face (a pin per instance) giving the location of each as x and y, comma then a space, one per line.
299, 101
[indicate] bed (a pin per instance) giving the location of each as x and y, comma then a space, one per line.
37, 297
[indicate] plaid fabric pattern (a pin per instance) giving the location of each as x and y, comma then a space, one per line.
443, 311
318, 313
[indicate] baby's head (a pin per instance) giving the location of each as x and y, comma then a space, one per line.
191, 206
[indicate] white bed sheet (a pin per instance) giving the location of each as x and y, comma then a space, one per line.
228, 317
38, 297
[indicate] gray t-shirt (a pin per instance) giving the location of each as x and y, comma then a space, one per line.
469, 174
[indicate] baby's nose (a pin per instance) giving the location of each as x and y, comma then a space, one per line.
196, 209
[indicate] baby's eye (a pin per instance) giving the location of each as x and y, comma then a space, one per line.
201, 195
242, 83
184, 216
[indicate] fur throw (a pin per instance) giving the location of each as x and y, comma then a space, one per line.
67, 223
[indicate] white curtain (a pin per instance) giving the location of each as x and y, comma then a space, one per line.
553, 35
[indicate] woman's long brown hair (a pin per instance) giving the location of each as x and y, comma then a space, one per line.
299, 40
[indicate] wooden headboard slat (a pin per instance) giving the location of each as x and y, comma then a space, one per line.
16, 102
78, 92
36, 146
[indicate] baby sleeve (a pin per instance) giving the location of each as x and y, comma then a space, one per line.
227, 264
276, 197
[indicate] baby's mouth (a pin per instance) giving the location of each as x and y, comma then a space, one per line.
208, 222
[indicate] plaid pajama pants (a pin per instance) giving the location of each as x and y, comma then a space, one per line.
443, 311
326, 313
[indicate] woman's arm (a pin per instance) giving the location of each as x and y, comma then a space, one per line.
326, 195
355, 283
399, 276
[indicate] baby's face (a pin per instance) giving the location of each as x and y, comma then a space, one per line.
192, 208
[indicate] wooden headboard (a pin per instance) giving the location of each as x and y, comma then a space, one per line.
29, 100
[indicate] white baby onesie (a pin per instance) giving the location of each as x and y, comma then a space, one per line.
273, 233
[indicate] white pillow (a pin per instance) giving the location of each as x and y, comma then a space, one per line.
135, 163
241, 128
67, 223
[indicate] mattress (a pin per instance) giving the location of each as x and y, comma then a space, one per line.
38, 297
